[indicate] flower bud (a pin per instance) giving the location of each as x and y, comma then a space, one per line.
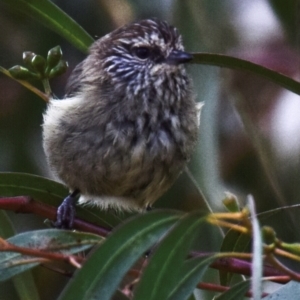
269, 235
27, 58
39, 64
60, 68
53, 58
231, 202
21, 73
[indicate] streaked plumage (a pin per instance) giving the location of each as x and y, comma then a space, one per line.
128, 124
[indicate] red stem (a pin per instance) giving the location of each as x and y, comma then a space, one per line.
24, 204
220, 288
243, 267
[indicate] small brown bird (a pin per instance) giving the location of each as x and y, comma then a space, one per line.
128, 123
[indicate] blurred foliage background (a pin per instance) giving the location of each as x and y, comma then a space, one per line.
249, 140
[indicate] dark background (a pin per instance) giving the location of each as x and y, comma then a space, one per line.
249, 141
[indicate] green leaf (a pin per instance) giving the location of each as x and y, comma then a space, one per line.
24, 283
163, 271
238, 291
233, 242
102, 273
52, 192
25, 286
228, 244
63, 241
8, 270
40, 188
6, 227
191, 274
54, 18
244, 65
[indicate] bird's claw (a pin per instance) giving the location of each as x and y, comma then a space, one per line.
66, 212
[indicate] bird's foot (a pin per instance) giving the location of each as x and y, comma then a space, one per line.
66, 212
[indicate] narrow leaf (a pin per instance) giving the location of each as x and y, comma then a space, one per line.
54, 18
6, 227
16, 184
102, 273
63, 241
163, 272
228, 244
52, 192
238, 291
233, 242
25, 286
244, 65
23, 283
191, 274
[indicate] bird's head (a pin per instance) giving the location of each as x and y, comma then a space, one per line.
140, 57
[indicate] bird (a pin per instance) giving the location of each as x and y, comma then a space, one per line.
128, 123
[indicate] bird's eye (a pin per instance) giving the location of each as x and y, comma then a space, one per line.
142, 52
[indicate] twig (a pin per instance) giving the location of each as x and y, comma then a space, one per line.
27, 85
73, 260
24, 204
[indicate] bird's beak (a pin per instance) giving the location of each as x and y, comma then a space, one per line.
177, 57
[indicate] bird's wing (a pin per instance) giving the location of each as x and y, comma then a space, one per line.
74, 81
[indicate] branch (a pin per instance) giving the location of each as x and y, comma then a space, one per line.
243, 267
24, 204
45, 255
27, 85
